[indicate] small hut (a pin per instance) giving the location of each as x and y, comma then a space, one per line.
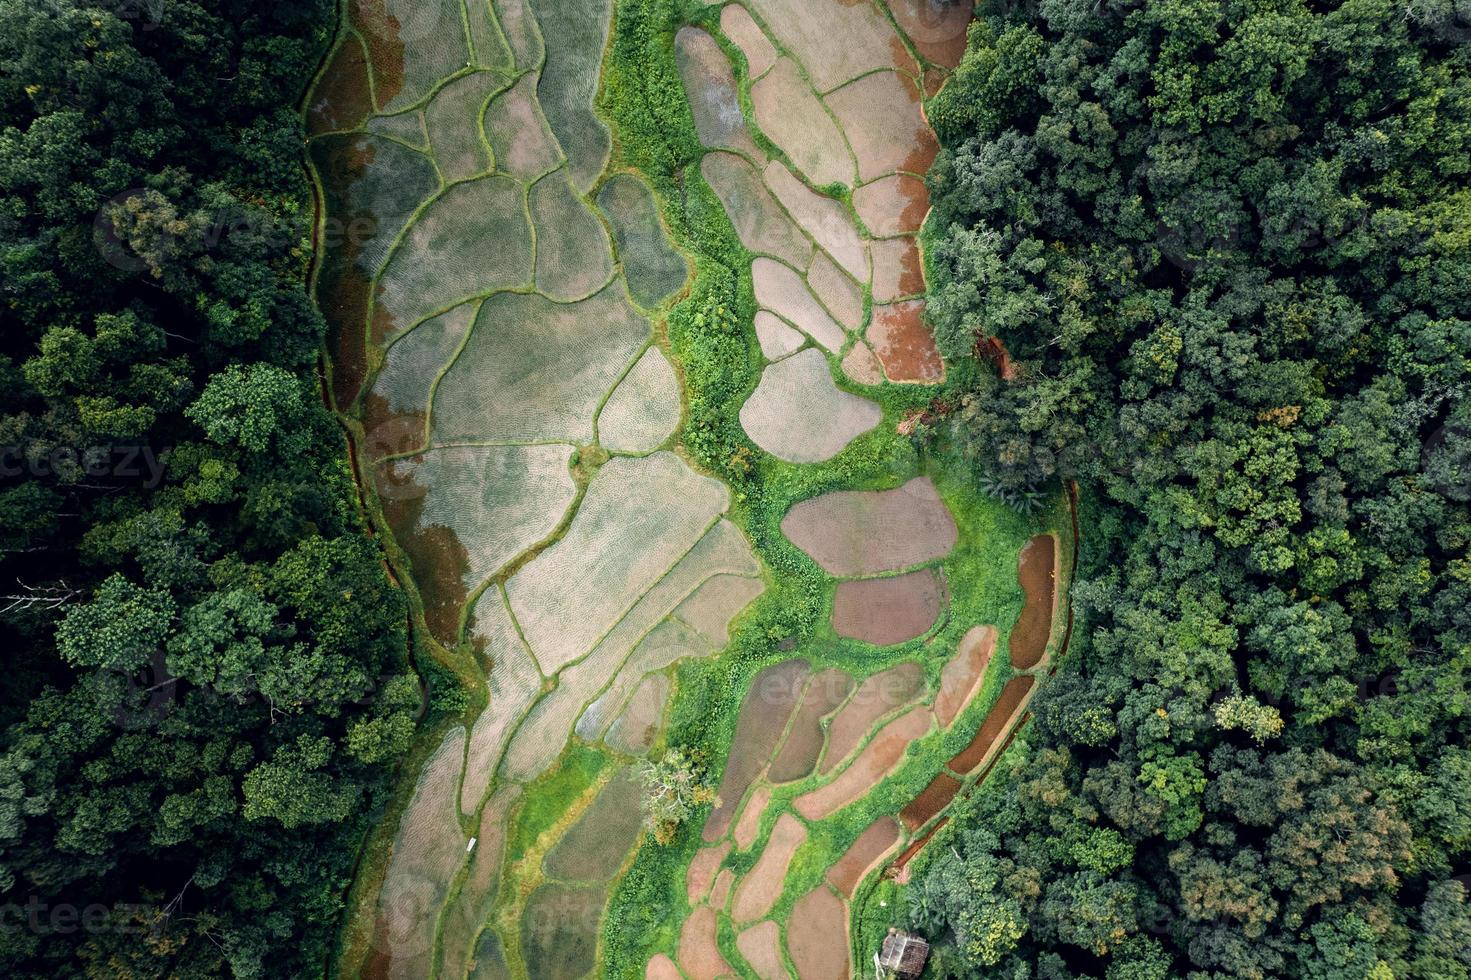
902, 956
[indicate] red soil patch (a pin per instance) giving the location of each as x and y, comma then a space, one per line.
931, 800
761, 947
750, 822
817, 936
662, 967
996, 724
379, 30
702, 870
917, 846
886, 611
699, 955
343, 98
877, 760
893, 205
898, 270
858, 532
936, 29
799, 752
904, 344
1037, 571
862, 855
961, 676
762, 885
764, 713
876, 696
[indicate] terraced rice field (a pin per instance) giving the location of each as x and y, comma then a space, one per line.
582, 571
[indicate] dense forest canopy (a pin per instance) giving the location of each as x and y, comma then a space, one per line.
1225, 246
204, 662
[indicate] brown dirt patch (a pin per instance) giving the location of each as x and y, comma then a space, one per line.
662, 967
862, 855
817, 936
379, 30
878, 758
698, 953
1037, 570
343, 98
701, 872
721, 891
904, 344
937, 29
769, 703
794, 119
931, 800
761, 947
799, 752
886, 611
762, 885
961, 676
438, 560
909, 852
893, 205
864, 532
749, 824
898, 270
997, 722
881, 116
878, 695
744, 32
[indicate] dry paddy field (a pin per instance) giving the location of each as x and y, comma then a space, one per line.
498, 280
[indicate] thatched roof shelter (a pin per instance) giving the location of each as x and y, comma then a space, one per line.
904, 954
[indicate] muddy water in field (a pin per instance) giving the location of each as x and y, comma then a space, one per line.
996, 723
1037, 571
961, 676
804, 742
931, 800
885, 611
774, 694
862, 855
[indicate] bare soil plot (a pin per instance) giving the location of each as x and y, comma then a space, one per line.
893, 205
817, 936
904, 343
762, 885
720, 892
574, 35
799, 752
453, 123
781, 290
880, 114
877, 760
770, 701
717, 602
835, 290
662, 967
863, 855
342, 98
937, 28
654, 270
798, 414
573, 255
638, 518
860, 365
594, 847
426, 854
760, 222
878, 695
699, 954
776, 338
701, 873
635, 730
794, 119
889, 610
898, 270
534, 370
931, 800
412, 44
643, 410
396, 411
821, 217
429, 272
471, 907
997, 722
710, 86
559, 930
760, 946
838, 43
749, 825
1037, 570
747, 35
518, 133
962, 674
863, 532
514, 684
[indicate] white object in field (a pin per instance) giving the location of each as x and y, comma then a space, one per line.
471, 846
